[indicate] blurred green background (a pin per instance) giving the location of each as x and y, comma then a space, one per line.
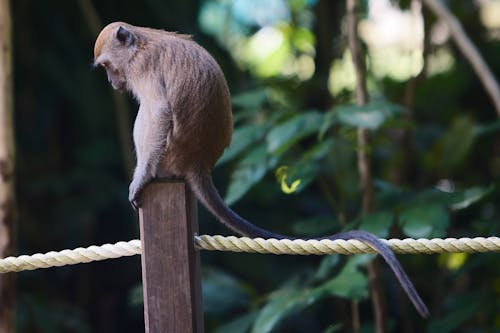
291, 167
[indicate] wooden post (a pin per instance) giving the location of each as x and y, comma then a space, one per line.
170, 263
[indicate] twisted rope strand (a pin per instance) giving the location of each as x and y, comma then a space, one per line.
257, 245
325, 246
70, 257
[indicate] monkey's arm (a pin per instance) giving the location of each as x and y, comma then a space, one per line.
152, 129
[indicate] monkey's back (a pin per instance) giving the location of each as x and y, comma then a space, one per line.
198, 98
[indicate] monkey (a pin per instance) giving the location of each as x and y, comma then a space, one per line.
185, 122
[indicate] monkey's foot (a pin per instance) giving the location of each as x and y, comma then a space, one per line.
135, 192
134, 205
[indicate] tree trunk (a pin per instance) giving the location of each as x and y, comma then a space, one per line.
6, 169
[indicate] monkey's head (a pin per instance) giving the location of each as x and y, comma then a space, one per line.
114, 49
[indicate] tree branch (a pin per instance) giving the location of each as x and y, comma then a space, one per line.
364, 161
356, 54
7, 152
468, 49
356, 322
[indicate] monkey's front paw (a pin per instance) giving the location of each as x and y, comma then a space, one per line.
134, 195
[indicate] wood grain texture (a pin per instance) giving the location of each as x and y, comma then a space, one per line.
170, 263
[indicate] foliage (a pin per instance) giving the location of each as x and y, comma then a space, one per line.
291, 167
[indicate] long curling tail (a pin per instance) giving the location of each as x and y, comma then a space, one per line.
206, 192
390, 258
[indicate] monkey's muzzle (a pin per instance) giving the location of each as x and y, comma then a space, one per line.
117, 84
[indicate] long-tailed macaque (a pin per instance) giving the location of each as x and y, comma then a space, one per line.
184, 122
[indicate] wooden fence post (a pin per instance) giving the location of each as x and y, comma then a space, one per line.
170, 263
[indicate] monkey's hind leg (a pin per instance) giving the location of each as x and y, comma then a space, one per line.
151, 136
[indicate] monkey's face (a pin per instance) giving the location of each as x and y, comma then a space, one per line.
115, 77
114, 49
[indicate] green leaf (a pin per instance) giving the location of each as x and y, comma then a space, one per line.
377, 223
487, 129
333, 328
371, 116
243, 137
303, 39
314, 226
318, 151
284, 135
389, 196
424, 221
297, 5
405, 4
136, 297
250, 99
350, 282
249, 171
470, 196
283, 303
329, 119
358, 117
465, 307
218, 303
239, 325
432, 196
454, 145
328, 263
452, 261
458, 141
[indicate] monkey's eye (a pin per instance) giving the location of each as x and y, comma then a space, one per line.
105, 64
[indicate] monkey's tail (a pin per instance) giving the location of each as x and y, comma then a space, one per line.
390, 258
206, 192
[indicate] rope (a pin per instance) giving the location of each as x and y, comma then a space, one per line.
339, 246
70, 257
257, 245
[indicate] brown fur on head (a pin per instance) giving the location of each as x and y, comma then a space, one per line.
114, 49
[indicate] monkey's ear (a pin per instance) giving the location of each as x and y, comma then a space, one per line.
125, 37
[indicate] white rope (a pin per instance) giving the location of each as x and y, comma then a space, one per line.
257, 245
70, 257
326, 246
